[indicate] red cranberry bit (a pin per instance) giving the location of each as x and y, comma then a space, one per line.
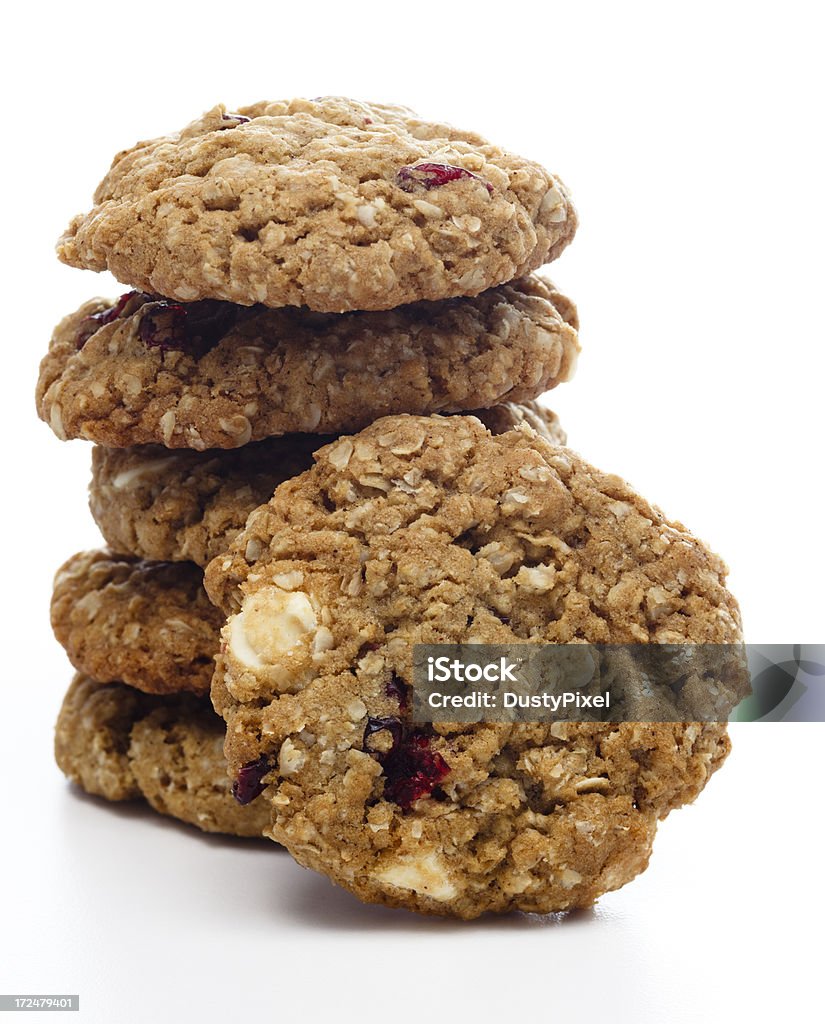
412, 770
90, 324
233, 120
249, 783
192, 327
429, 176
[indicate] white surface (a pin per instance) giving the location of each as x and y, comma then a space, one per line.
691, 137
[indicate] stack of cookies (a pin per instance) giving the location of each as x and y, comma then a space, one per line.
316, 445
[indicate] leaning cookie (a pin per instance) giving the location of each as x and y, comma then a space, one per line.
430, 530
330, 203
118, 743
189, 506
213, 375
148, 624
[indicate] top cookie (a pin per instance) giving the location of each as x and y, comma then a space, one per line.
329, 203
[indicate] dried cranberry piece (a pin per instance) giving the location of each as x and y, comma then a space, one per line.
192, 327
397, 690
233, 120
249, 783
90, 324
411, 768
429, 176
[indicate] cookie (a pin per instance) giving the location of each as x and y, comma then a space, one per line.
189, 506
330, 203
211, 375
118, 743
185, 505
148, 624
423, 530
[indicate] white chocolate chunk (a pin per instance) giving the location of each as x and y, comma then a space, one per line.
552, 200
124, 480
289, 580
366, 215
425, 875
270, 623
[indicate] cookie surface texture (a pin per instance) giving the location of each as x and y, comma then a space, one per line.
331, 204
211, 375
431, 530
149, 624
189, 506
118, 743
184, 505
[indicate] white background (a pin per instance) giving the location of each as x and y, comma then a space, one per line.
691, 138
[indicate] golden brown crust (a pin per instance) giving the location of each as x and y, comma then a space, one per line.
118, 743
273, 372
322, 203
149, 624
189, 506
430, 530
185, 505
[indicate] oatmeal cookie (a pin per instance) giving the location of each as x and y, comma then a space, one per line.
189, 506
118, 743
212, 375
148, 624
184, 505
431, 530
330, 203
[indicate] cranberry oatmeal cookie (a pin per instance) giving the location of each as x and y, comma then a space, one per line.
189, 506
148, 624
330, 203
213, 375
118, 743
431, 530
